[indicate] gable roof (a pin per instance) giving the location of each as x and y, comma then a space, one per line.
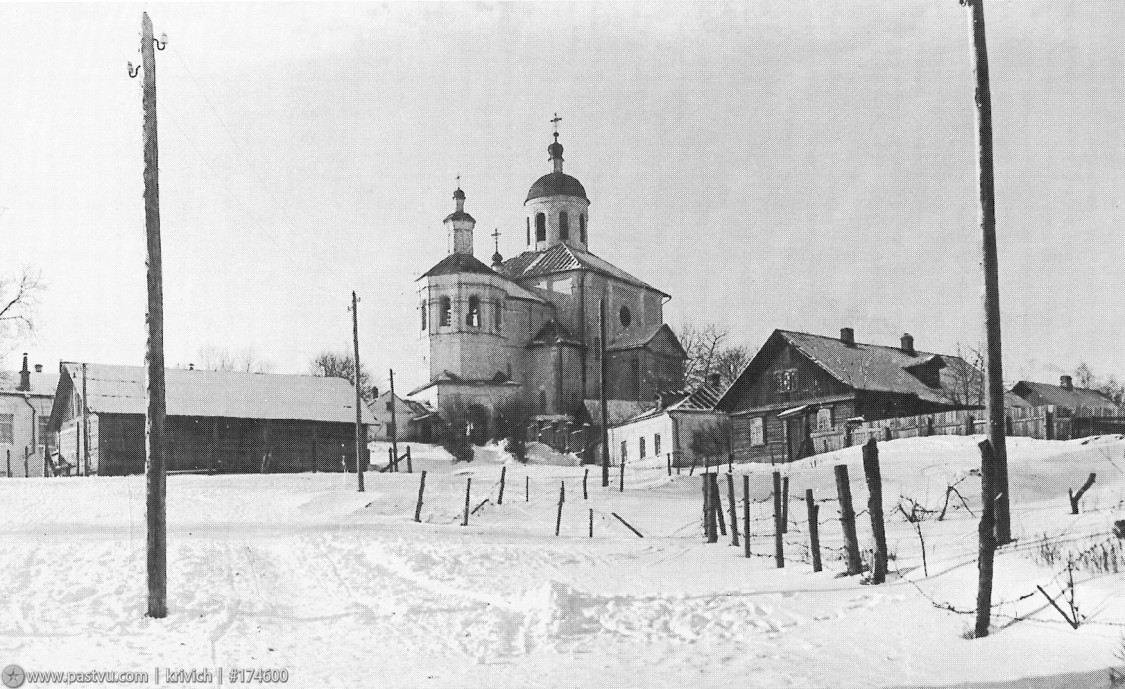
1071, 398
703, 398
862, 366
639, 337
113, 389
562, 258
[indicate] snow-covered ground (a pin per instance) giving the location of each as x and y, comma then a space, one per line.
344, 589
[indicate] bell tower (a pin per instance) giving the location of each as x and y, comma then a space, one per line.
460, 225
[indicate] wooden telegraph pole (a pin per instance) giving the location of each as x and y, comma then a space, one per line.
358, 397
394, 425
602, 368
155, 478
994, 405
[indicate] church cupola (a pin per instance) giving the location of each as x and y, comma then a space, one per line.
556, 206
460, 225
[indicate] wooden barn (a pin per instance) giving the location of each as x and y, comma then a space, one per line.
798, 384
218, 422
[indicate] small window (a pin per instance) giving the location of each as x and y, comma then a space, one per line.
641, 454
390, 405
423, 309
624, 451
824, 419
528, 231
757, 431
472, 318
564, 225
626, 316
446, 311
540, 227
582, 228
498, 315
786, 380
656, 444
7, 430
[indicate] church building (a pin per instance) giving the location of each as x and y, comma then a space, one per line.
525, 331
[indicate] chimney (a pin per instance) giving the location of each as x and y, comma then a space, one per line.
38, 368
907, 343
374, 392
1066, 382
847, 336
25, 376
713, 380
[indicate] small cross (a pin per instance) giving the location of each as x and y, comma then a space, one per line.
556, 121
496, 239
458, 180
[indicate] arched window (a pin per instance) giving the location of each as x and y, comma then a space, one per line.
528, 231
446, 311
564, 225
498, 317
424, 309
472, 318
582, 228
626, 316
540, 227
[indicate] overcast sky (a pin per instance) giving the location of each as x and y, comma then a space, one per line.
805, 165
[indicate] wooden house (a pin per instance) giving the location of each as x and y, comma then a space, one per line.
799, 383
217, 421
1077, 401
415, 420
25, 406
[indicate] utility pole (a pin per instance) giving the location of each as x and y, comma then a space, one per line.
358, 396
602, 393
994, 406
85, 427
155, 478
394, 425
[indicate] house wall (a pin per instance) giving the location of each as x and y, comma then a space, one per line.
774, 450
27, 432
631, 434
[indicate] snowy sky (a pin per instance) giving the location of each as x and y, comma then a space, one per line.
803, 165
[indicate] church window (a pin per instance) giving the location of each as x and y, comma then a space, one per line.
626, 316
564, 225
498, 316
635, 365
528, 231
424, 314
540, 227
472, 318
582, 228
641, 453
446, 311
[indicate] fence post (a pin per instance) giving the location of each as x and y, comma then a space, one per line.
814, 529
785, 505
591, 522
778, 544
409, 461
527, 488
847, 519
562, 499
585, 477
733, 511
717, 502
468, 489
421, 491
621, 481
875, 509
503, 474
26, 472
709, 528
669, 457
746, 513
9, 452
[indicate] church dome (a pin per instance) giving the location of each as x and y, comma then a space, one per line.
556, 184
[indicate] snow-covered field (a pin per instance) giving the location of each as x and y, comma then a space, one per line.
344, 589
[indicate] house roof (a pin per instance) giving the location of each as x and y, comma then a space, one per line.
42, 384
112, 389
867, 366
616, 410
703, 398
562, 258
1071, 398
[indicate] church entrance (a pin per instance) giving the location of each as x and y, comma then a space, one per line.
477, 416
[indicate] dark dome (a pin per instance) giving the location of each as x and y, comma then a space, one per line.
556, 184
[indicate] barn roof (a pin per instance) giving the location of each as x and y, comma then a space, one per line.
866, 366
1071, 398
113, 389
562, 258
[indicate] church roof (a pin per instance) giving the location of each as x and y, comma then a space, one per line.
562, 258
467, 263
459, 215
556, 184
638, 337
553, 332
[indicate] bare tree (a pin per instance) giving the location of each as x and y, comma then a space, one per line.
19, 305
341, 365
966, 374
712, 439
1084, 377
213, 358
708, 353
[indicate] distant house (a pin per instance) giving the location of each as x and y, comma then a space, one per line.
799, 383
669, 430
1078, 401
416, 421
217, 421
25, 407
